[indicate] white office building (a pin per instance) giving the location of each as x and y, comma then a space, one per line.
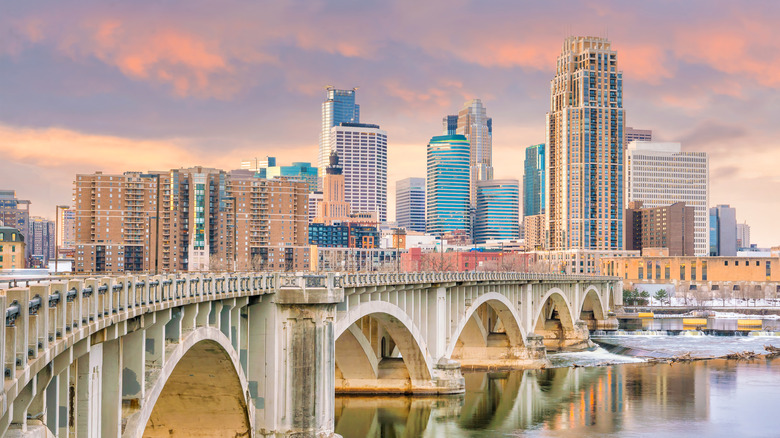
362, 149
660, 174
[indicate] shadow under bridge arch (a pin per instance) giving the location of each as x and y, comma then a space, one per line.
379, 349
490, 335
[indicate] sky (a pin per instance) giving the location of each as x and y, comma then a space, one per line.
152, 85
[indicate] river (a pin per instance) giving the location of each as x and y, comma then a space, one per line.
606, 394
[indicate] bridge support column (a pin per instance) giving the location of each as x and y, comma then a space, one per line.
292, 361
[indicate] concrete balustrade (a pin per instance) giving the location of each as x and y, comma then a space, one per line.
258, 354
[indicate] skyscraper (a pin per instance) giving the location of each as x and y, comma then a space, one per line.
498, 210
447, 185
660, 174
41, 241
450, 125
584, 199
362, 150
533, 180
267, 168
410, 204
474, 123
339, 107
333, 206
723, 223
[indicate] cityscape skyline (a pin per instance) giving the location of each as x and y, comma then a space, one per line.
98, 139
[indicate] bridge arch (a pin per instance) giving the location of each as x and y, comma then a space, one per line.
201, 390
406, 336
592, 301
506, 313
556, 297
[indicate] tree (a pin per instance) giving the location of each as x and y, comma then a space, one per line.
644, 297
725, 294
437, 262
661, 295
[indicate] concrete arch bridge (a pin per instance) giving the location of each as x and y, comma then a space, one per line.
259, 354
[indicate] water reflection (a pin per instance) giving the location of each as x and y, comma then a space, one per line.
637, 398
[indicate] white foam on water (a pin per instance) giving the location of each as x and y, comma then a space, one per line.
596, 357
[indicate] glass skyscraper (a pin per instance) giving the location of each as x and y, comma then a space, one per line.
585, 140
410, 204
339, 107
498, 210
533, 180
448, 183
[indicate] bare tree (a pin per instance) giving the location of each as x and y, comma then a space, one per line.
724, 293
437, 262
700, 295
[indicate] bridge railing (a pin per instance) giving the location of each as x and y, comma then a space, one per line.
384, 278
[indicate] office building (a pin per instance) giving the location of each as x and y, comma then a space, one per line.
743, 236
410, 204
333, 207
670, 227
661, 174
450, 125
447, 185
192, 219
498, 210
723, 230
534, 180
477, 127
12, 249
344, 235
584, 148
298, 171
362, 151
339, 107
15, 213
41, 242
633, 134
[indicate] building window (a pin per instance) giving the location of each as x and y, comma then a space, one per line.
641, 273
682, 271
768, 269
704, 270
693, 272
667, 273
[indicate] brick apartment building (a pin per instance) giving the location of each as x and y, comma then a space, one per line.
192, 219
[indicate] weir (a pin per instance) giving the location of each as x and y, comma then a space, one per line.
263, 354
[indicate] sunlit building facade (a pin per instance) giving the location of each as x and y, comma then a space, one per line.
585, 140
533, 180
661, 174
410, 204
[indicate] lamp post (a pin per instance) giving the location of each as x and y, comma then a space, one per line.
56, 235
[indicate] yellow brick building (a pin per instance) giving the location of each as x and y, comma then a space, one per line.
693, 269
11, 249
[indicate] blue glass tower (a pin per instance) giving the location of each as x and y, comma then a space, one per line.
498, 210
533, 180
447, 188
339, 107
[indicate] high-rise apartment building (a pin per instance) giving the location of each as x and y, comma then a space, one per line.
189, 220
534, 180
723, 230
339, 107
66, 233
670, 227
534, 232
41, 241
584, 148
314, 201
473, 123
743, 236
498, 210
362, 150
15, 213
660, 174
633, 134
447, 185
410, 204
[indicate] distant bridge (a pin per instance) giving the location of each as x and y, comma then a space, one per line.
251, 354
